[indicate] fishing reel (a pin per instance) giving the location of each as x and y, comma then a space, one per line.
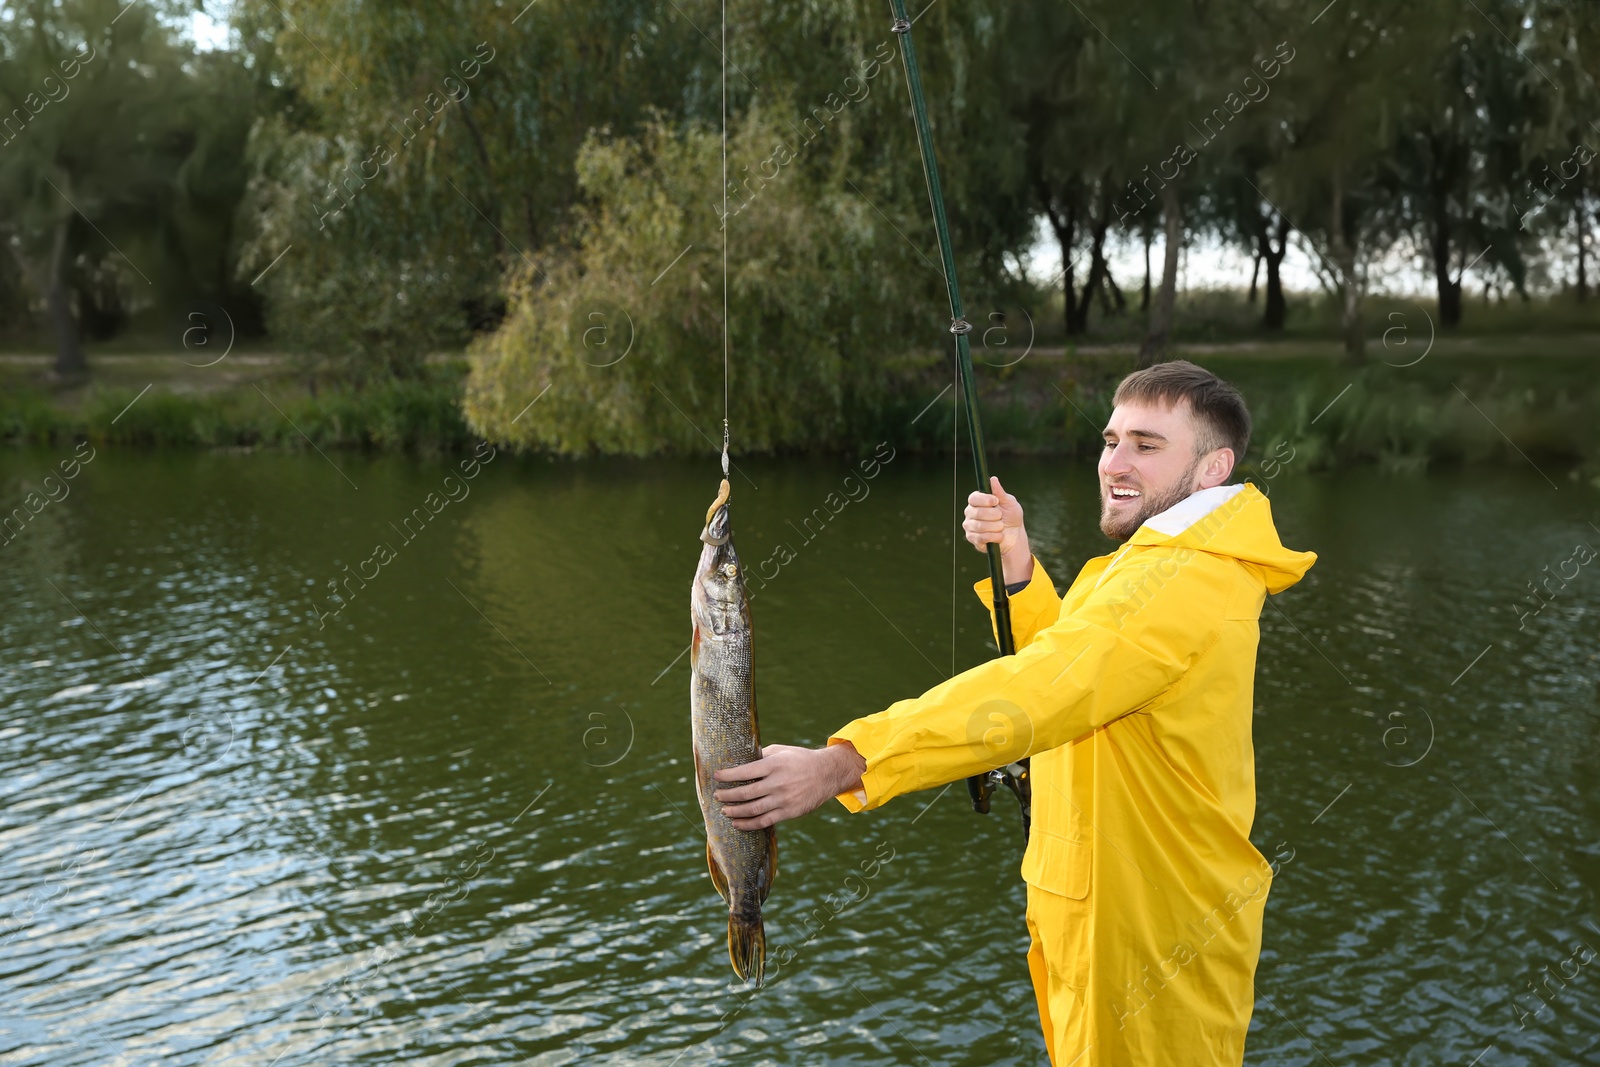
1015, 777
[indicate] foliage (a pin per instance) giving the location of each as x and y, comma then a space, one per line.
423, 413
624, 333
1403, 426
425, 148
120, 166
377, 184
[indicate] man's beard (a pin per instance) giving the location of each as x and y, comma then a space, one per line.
1120, 528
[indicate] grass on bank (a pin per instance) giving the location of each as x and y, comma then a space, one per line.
271, 411
1462, 407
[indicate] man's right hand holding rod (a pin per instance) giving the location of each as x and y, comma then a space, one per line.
997, 518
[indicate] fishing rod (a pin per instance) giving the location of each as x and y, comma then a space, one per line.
1015, 776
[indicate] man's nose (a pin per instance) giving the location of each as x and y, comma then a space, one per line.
1117, 460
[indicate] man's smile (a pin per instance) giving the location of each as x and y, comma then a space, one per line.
1122, 494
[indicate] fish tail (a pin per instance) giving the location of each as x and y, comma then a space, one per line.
747, 945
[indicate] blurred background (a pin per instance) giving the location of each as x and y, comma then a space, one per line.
290, 283
408, 221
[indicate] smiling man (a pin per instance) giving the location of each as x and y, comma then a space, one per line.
1133, 695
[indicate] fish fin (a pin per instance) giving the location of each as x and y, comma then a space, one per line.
770, 872
718, 879
747, 946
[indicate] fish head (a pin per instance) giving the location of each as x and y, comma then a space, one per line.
719, 592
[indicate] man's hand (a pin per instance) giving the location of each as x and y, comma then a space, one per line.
997, 518
788, 782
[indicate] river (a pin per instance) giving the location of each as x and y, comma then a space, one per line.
447, 817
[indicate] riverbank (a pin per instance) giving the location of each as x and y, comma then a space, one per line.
1469, 400
1470, 403
252, 401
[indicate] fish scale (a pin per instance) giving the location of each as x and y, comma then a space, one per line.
722, 701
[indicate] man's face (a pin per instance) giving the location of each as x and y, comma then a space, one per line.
1149, 464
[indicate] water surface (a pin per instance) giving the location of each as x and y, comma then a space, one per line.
448, 818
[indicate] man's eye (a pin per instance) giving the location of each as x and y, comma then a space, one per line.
1111, 444
1147, 448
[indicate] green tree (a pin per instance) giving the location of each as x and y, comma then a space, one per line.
1551, 193
1237, 213
1130, 111
1459, 144
389, 260
427, 148
84, 159
616, 346
1330, 180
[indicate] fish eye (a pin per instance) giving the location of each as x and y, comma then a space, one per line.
730, 569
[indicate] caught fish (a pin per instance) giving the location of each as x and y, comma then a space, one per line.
722, 702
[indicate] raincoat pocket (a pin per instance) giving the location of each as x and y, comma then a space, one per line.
1057, 864
1061, 925
1056, 869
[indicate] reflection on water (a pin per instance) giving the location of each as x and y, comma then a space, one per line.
441, 812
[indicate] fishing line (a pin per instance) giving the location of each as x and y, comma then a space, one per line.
725, 344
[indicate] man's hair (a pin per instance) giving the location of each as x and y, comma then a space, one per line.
1220, 415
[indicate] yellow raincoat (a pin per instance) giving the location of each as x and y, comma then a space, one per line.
1133, 695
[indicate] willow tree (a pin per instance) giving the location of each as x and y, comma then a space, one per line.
615, 344
1458, 153
1236, 210
1129, 112
1093, 89
403, 216
1333, 177
1551, 195
1066, 154
426, 148
85, 94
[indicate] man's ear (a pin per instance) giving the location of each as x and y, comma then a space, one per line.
1217, 467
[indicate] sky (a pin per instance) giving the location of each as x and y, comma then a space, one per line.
210, 33
1205, 264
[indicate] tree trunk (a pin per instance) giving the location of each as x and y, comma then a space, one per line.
1449, 291
1276, 310
1116, 300
1064, 229
1078, 318
1344, 258
1443, 168
1144, 299
1255, 271
1355, 338
1155, 341
1449, 303
70, 364
50, 283
1583, 224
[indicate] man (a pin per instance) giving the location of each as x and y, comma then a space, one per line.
1133, 695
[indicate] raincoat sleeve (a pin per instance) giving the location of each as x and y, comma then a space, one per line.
1132, 638
1032, 608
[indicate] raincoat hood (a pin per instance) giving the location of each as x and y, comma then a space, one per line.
1233, 521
